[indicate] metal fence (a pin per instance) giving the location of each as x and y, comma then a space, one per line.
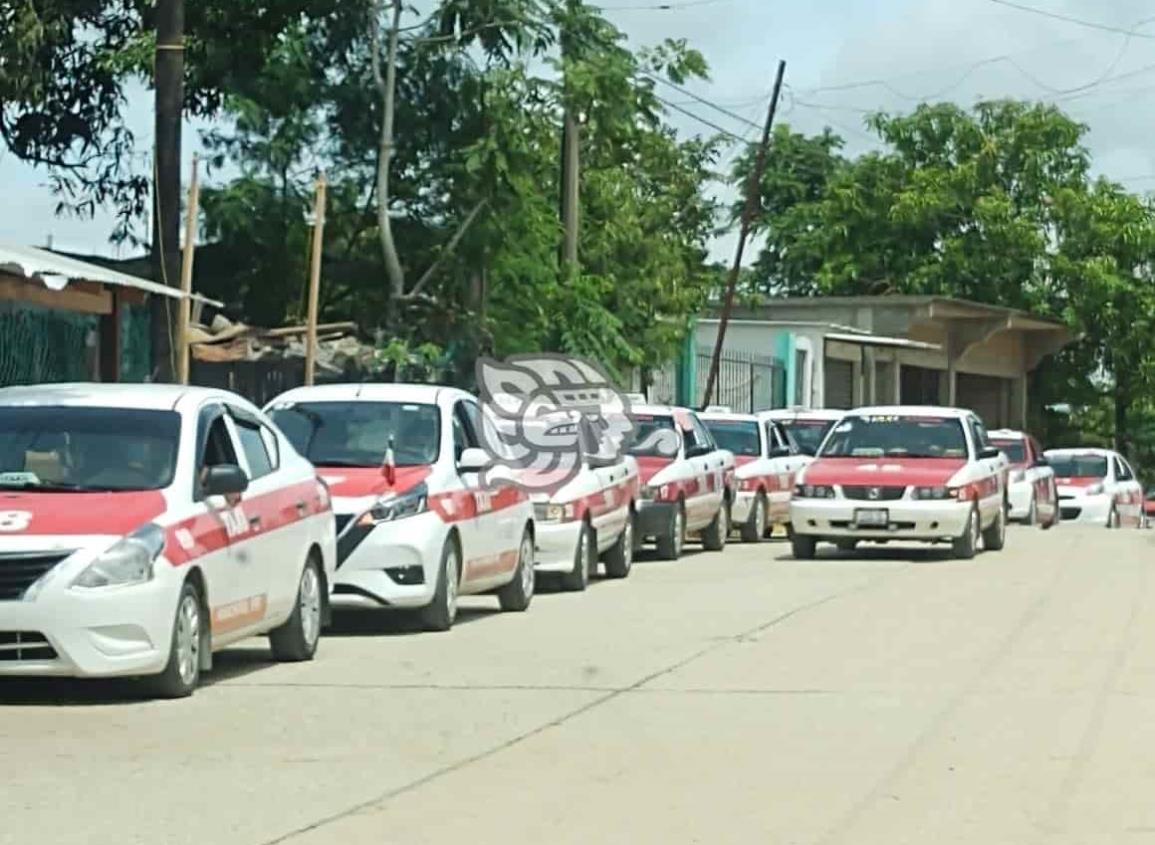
746, 382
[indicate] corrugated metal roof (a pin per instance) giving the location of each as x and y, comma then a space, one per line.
56, 271
878, 340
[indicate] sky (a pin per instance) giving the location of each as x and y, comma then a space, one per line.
845, 58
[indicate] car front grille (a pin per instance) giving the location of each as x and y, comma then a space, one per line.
16, 646
1071, 513
873, 494
20, 570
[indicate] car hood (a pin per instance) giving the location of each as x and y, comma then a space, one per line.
884, 472
78, 513
358, 482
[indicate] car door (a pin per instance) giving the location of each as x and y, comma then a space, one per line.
471, 504
275, 505
237, 601
991, 475
1130, 494
709, 469
610, 501
785, 460
1046, 493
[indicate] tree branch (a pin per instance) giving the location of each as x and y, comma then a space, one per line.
449, 249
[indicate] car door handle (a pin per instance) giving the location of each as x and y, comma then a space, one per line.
302, 508
255, 523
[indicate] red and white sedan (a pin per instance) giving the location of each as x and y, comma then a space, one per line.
1098, 487
417, 523
903, 473
142, 528
1032, 492
807, 426
766, 460
687, 480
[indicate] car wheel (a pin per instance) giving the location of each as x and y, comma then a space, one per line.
670, 542
518, 593
995, 536
755, 527
965, 546
182, 673
440, 614
296, 640
1113, 518
620, 557
804, 546
715, 534
578, 578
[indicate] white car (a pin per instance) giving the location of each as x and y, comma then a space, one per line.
687, 480
144, 527
590, 515
1097, 486
807, 426
903, 473
418, 522
1032, 492
766, 459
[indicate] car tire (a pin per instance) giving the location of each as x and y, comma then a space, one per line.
754, 528
966, 546
517, 594
995, 535
585, 558
715, 534
296, 640
1113, 518
847, 545
182, 673
619, 558
673, 539
441, 613
804, 546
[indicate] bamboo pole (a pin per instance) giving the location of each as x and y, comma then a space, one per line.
315, 280
186, 276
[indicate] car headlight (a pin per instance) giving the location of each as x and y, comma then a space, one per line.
546, 512
814, 491
934, 494
1095, 489
128, 562
393, 508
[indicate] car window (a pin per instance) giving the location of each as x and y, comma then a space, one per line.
256, 451
358, 433
1079, 466
982, 441
699, 436
653, 436
464, 433
218, 449
1015, 450
738, 436
886, 435
809, 433
1122, 471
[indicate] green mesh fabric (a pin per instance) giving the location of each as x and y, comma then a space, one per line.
44, 345
135, 343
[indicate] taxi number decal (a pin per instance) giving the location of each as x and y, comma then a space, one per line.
484, 502
13, 521
235, 521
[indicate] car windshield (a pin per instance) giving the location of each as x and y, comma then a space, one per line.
83, 449
737, 436
1015, 451
653, 436
808, 434
1079, 466
896, 437
357, 434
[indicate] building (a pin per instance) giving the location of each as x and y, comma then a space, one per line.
843, 352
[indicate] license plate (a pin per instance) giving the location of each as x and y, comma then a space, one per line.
872, 518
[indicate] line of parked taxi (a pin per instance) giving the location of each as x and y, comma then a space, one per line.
143, 528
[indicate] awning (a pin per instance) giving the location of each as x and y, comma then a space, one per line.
878, 340
57, 271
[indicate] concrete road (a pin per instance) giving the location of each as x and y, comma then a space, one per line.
740, 697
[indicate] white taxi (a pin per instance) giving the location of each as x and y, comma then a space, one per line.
687, 480
1032, 492
417, 523
903, 473
807, 426
1097, 486
766, 460
589, 512
144, 527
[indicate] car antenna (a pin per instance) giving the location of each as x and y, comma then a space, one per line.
390, 467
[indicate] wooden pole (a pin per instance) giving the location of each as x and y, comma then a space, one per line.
753, 197
315, 281
186, 276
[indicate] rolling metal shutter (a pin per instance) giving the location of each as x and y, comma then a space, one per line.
839, 384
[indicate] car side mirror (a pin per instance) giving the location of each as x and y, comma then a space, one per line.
224, 480
1042, 462
696, 451
780, 452
473, 460
601, 461
989, 453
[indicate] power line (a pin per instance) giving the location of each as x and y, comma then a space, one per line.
662, 7
1078, 21
702, 100
701, 120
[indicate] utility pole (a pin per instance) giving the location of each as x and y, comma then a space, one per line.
315, 280
184, 308
753, 199
570, 159
169, 107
